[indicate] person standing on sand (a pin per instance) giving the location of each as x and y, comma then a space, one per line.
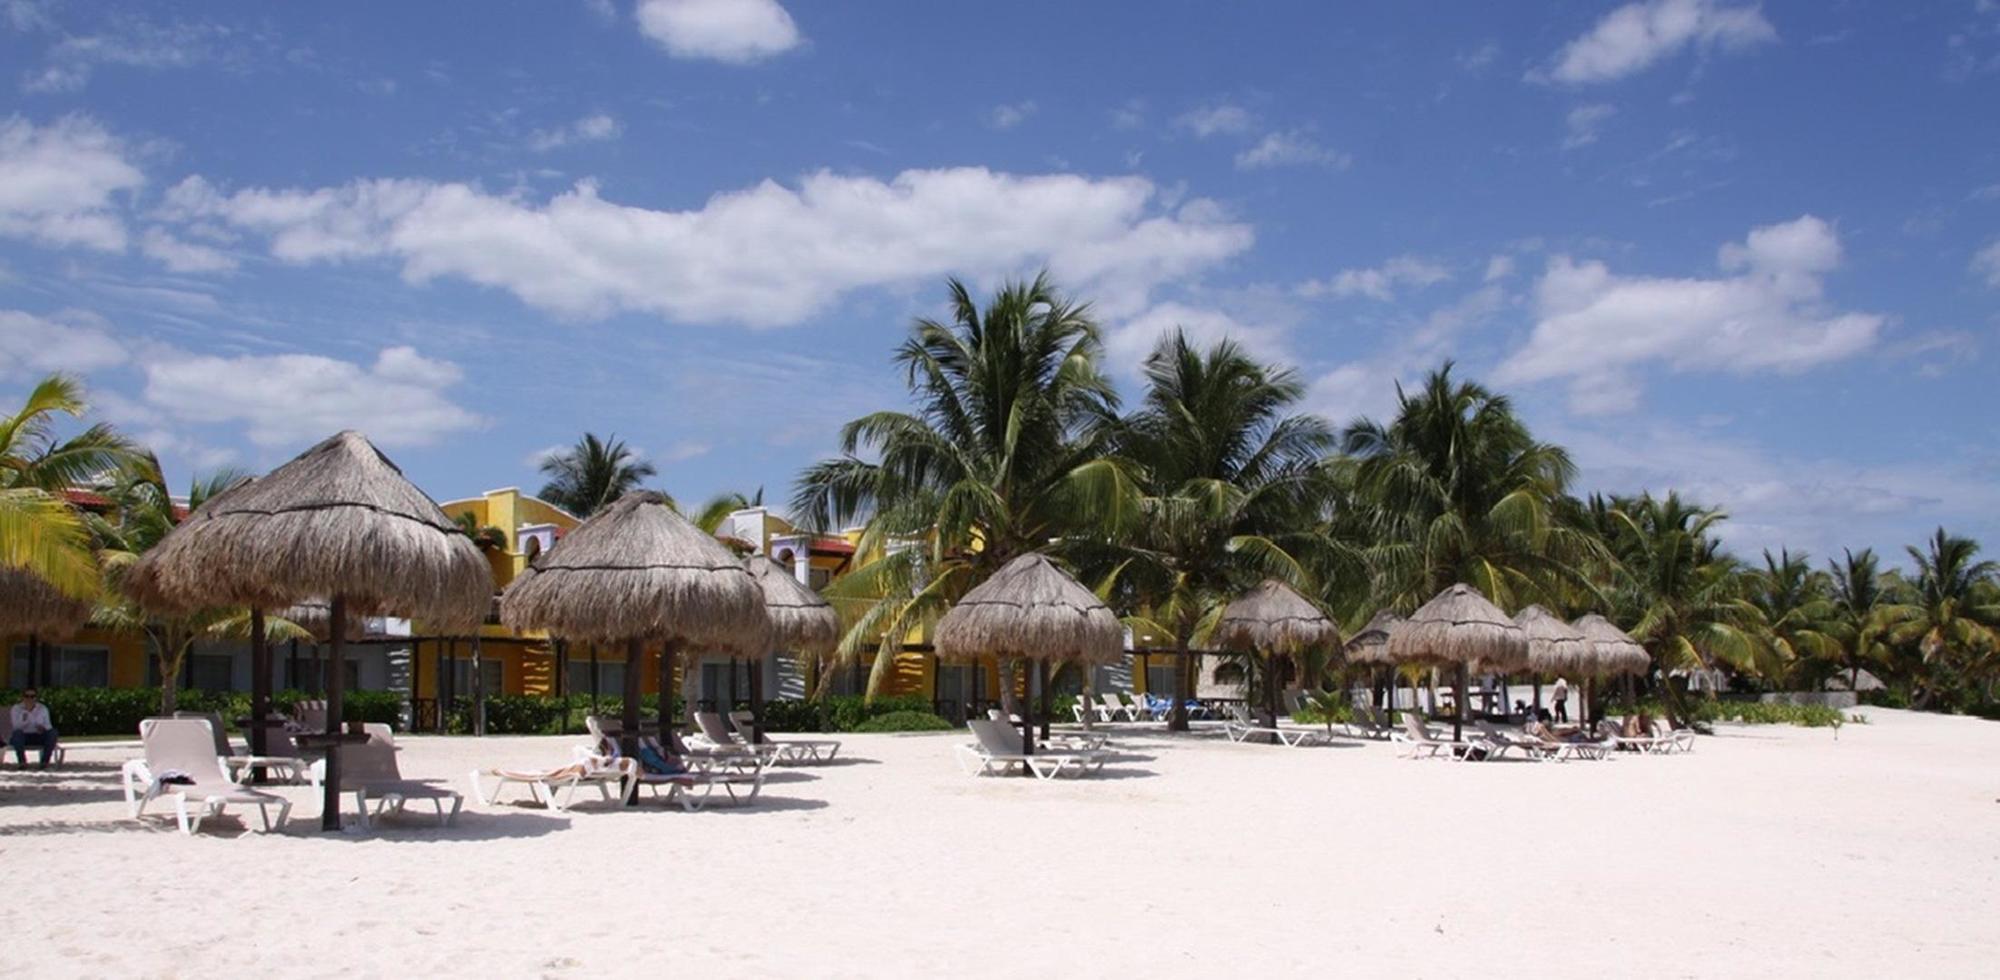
1561, 699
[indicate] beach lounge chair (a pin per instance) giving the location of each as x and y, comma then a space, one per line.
692, 789
1541, 750
1421, 744
718, 739
309, 716
997, 754
556, 788
797, 750
1361, 722
181, 763
369, 769
288, 763
1644, 744
1678, 739
1066, 741
1242, 726
1575, 747
1110, 709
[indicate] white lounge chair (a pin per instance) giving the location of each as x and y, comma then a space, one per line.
181, 763
556, 788
1678, 739
1361, 722
1644, 744
1421, 744
717, 738
1110, 709
287, 762
1065, 741
1242, 726
692, 789
798, 750
369, 769
996, 754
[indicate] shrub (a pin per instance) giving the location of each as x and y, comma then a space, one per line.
118, 710
792, 715
905, 721
1763, 713
848, 711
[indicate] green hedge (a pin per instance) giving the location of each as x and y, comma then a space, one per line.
1767, 713
118, 710
905, 721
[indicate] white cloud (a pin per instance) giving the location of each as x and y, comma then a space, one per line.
1480, 58
1381, 282
1127, 344
183, 256
71, 342
1766, 316
1634, 37
764, 256
1010, 116
594, 128
1132, 115
1367, 386
736, 32
1583, 123
685, 450
1291, 148
131, 41
57, 183
1498, 267
1986, 264
1212, 120
287, 399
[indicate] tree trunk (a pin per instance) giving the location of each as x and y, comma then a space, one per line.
336, 687
1177, 719
260, 688
1042, 697
1009, 703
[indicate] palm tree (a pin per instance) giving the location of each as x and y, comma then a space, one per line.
143, 513
486, 536
1798, 611
592, 474
39, 531
1455, 489
1858, 619
1007, 451
1953, 617
1231, 486
718, 508
1682, 594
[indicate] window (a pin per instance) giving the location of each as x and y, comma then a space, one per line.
212, 672
67, 666
1229, 675
1160, 679
818, 578
954, 682
490, 671
725, 682
610, 677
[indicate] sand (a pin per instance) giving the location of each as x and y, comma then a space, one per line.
1768, 851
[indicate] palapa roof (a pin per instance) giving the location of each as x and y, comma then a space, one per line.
1273, 617
1614, 651
1554, 646
1459, 626
29, 604
1031, 609
801, 620
639, 570
315, 616
1371, 645
340, 519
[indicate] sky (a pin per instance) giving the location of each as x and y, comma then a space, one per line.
1747, 251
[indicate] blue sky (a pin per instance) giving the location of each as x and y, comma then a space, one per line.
1748, 251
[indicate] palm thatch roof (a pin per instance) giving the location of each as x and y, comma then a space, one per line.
28, 604
1371, 645
638, 570
1554, 646
801, 620
1459, 626
1031, 609
338, 520
315, 616
1274, 618
1613, 651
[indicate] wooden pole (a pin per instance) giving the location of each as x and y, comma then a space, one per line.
593, 678
1027, 717
628, 713
562, 679
292, 665
478, 689
669, 653
757, 701
260, 688
1458, 715
336, 705
1042, 702
416, 679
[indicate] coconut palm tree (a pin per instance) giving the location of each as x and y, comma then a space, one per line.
1455, 489
1798, 614
1952, 617
1858, 618
1232, 480
1008, 449
718, 508
486, 536
39, 531
592, 474
143, 513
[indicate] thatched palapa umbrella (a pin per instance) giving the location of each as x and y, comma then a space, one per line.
339, 521
636, 573
1371, 646
31, 605
1460, 627
1274, 620
1612, 652
1031, 610
802, 623
1554, 646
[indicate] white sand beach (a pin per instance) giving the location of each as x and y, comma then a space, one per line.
1768, 851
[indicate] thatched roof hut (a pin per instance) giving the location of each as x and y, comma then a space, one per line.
1274, 618
1554, 646
637, 570
1371, 644
1460, 627
1030, 609
1612, 650
28, 604
315, 617
801, 620
339, 520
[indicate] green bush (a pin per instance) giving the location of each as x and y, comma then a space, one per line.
848, 711
794, 715
1767, 713
905, 721
118, 710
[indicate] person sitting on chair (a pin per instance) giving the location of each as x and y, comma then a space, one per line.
29, 719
